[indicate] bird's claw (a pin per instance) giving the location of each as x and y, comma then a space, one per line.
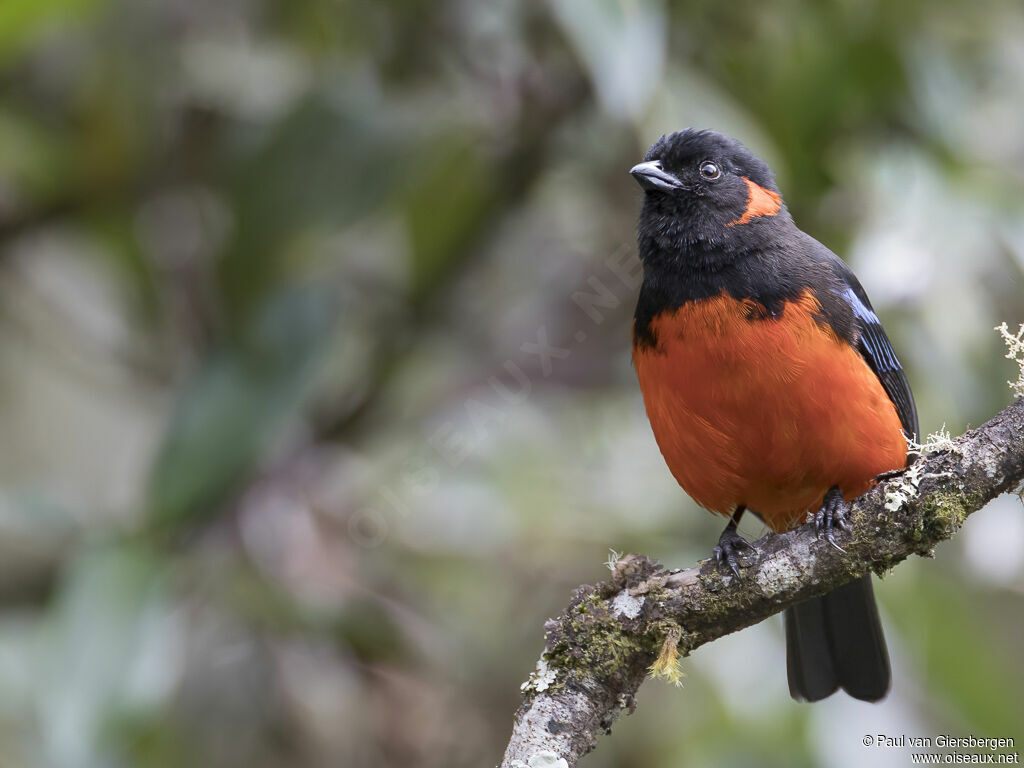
834, 513
730, 547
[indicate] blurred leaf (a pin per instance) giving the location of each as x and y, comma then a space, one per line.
453, 191
108, 650
622, 43
371, 633
34, 157
151, 742
324, 166
236, 403
118, 230
364, 626
20, 20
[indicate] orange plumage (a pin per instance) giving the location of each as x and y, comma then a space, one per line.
764, 412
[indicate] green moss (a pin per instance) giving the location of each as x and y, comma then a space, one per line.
883, 568
942, 513
595, 642
716, 606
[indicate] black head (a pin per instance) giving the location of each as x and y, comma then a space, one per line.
707, 196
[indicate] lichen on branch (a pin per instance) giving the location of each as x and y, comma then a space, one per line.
1015, 343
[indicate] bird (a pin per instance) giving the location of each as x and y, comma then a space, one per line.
768, 380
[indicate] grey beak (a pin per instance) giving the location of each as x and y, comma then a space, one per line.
650, 176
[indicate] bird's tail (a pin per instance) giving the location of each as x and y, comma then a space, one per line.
836, 641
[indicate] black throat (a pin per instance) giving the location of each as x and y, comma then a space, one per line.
770, 273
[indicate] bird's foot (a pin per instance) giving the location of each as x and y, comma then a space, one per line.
730, 549
834, 513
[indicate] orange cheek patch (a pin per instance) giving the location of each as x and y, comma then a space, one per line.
760, 202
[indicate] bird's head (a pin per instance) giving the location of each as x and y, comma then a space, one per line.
706, 191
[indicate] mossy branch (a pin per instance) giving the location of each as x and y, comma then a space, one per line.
602, 647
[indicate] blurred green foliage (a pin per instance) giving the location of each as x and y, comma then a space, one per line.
235, 404
281, 482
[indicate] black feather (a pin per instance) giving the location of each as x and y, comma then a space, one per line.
836, 641
858, 646
812, 676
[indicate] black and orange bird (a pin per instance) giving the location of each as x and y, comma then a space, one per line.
768, 380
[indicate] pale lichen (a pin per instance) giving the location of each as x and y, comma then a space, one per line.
936, 442
778, 575
898, 494
542, 678
1015, 344
989, 457
627, 605
613, 559
543, 759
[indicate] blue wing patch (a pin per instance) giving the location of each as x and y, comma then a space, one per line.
871, 334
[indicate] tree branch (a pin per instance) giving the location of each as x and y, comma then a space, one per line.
599, 650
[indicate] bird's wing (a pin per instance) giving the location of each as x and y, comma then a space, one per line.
875, 347
866, 334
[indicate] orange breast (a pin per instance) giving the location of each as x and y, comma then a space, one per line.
764, 413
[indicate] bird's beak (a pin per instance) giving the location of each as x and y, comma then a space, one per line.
650, 176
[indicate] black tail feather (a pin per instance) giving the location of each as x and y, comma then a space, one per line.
836, 641
812, 675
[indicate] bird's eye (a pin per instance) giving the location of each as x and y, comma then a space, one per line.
709, 170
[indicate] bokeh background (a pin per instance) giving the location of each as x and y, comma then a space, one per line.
315, 389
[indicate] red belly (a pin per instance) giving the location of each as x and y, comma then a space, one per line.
764, 413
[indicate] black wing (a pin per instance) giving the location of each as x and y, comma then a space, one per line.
865, 332
875, 347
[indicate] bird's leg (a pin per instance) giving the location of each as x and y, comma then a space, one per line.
912, 457
834, 513
889, 475
731, 544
